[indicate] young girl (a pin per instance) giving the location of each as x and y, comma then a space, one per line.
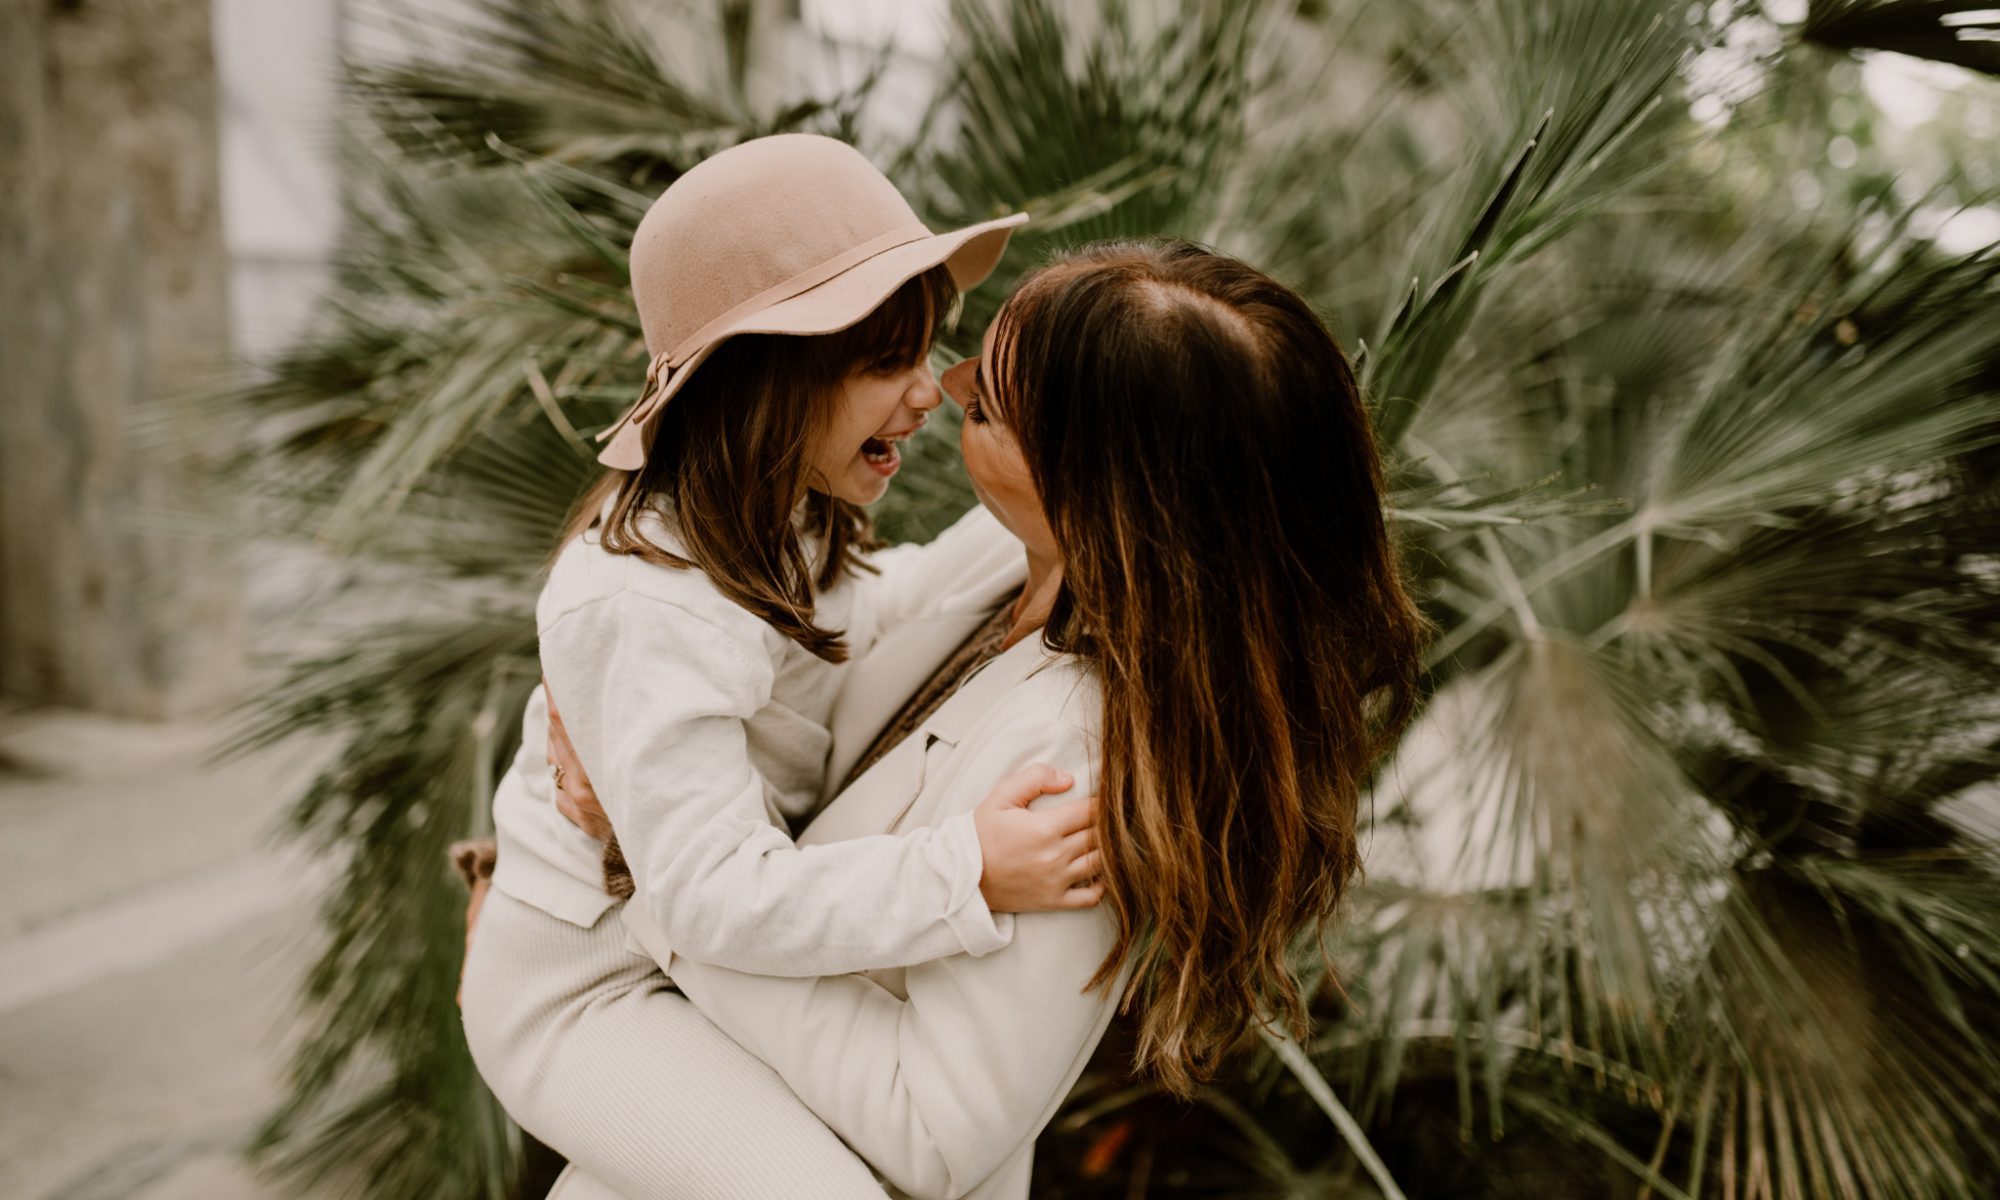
693, 629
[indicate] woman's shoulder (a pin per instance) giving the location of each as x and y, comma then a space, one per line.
1053, 713
1060, 693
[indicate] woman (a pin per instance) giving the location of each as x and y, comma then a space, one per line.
1225, 647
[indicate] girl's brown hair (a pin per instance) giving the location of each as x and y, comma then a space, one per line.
1206, 465
729, 463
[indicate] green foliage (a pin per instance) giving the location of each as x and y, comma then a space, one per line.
1963, 32
426, 705
1678, 887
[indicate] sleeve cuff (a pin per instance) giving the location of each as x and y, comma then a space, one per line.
980, 930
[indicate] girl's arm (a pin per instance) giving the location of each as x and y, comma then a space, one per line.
655, 698
975, 559
939, 1090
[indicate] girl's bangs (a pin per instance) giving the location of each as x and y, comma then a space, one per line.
901, 329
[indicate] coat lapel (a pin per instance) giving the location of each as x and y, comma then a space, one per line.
877, 684
982, 572
894, 793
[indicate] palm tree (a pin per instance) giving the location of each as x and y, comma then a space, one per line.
1681, 886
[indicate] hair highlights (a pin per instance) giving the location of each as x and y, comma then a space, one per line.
1206, 465
729, 463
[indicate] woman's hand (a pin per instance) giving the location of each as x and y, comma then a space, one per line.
574, 796
1037, 861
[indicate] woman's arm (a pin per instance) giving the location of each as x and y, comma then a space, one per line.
939, 1090
655, 698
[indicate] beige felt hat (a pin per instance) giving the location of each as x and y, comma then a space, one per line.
785, 234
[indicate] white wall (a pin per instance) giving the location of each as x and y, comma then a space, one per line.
274, 63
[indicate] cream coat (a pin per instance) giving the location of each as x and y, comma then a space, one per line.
941, 1075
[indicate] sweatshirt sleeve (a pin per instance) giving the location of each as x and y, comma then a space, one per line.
655, 698
909, 580
937, 1091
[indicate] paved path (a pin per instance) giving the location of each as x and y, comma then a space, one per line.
151, 934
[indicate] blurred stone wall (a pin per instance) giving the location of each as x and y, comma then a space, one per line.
113, 296
171, 199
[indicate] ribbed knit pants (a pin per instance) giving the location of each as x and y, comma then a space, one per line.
590, 1049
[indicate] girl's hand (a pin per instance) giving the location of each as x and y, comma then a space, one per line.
1037, 861
474, 859
575, 798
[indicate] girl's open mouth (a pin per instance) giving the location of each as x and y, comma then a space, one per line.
882, 453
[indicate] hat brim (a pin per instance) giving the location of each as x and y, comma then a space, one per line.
970, 254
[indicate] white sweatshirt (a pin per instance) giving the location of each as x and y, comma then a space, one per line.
704, 732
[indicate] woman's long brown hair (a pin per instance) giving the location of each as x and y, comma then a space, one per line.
1206, 465
729, 463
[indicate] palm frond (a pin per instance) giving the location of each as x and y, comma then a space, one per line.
1963, 32
1551, 119
1829, 1069
382, 1086
1136, 112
